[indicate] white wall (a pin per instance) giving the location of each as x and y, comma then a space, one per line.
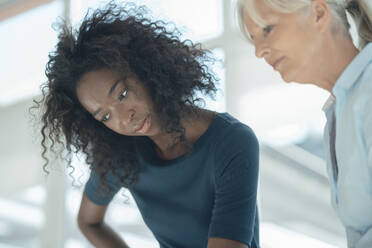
20, 161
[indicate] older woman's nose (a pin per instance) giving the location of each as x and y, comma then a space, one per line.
261, 51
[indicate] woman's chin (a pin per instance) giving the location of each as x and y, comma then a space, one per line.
290, 77
285, 77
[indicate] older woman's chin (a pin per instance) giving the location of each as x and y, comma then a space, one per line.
291, 77
285, 77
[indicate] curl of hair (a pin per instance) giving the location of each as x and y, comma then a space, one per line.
120, 38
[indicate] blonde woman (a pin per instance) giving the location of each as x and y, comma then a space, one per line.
308, 41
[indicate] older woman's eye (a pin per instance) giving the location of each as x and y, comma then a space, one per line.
123, 94
268, 29
106, 117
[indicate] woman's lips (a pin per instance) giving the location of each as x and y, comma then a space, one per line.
144, 127
277, 63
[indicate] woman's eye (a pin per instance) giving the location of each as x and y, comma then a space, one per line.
106, 117
123, 95
268, 29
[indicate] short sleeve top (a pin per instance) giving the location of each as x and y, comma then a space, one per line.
209, 192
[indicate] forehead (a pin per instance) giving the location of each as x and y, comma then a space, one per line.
98, 79
258, 12
93, 88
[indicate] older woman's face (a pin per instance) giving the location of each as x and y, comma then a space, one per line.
123, 106
288, 42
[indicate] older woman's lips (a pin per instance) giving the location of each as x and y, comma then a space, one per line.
277, 62
145, 126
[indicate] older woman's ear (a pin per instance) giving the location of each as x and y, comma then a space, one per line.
320, 15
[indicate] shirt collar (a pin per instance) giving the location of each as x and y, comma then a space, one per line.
331, 99
350, 75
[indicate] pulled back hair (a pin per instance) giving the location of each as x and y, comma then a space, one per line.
120, 38
360, 10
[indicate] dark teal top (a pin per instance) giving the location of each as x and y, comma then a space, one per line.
210, 192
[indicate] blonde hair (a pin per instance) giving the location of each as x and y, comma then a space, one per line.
358, 9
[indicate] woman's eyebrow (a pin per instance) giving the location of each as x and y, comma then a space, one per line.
96, 112
113, 87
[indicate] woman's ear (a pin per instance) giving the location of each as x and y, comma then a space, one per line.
320, 15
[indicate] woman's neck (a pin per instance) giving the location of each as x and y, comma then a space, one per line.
169, 146
335, 57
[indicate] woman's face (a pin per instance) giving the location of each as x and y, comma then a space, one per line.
123, 106
289, 42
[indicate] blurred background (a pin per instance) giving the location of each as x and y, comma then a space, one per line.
40, 211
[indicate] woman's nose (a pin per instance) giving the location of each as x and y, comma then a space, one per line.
261, 50
126, 117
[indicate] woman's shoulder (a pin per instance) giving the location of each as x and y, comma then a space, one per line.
232, 134
234, 130
236, 144
367, 74
361, 95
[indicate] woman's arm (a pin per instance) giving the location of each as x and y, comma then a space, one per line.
224, 243
91, 223
234, 220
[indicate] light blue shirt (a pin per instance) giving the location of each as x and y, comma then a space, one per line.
351, 108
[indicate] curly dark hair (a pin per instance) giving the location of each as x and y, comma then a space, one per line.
120, 38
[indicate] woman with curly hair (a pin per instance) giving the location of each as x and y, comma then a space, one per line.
123, 90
